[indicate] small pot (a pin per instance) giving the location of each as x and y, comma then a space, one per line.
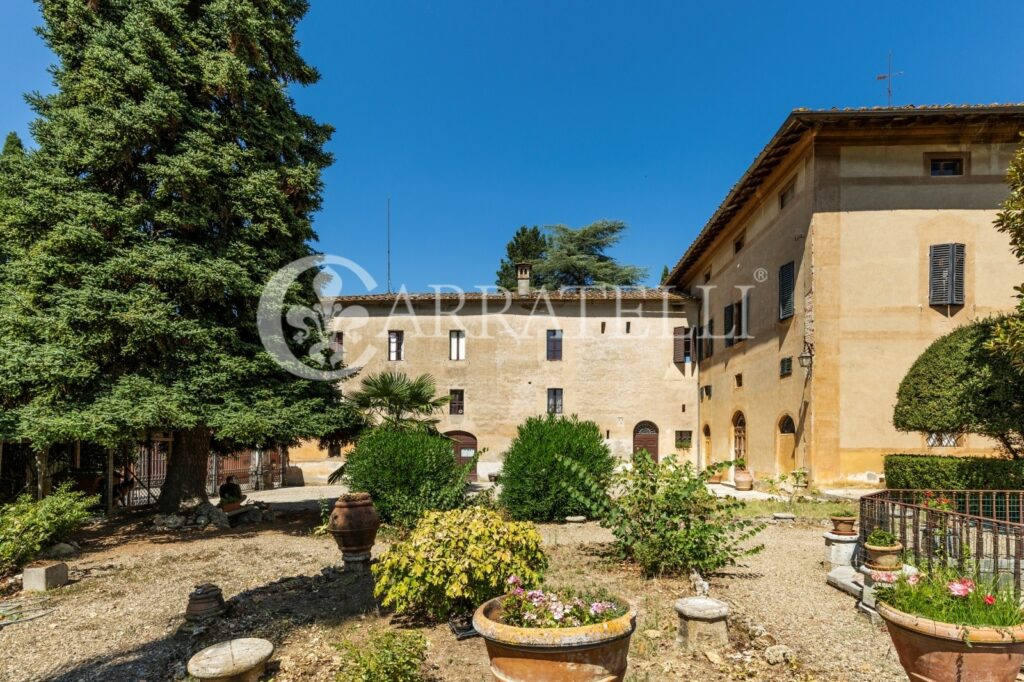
930, 650
884, 558
589, 653
354, 523
843, 525
230, 506
743, 479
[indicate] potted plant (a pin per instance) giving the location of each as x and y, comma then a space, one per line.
946, 626
883, 551
741, 478
229, 503
545, 635
843, 520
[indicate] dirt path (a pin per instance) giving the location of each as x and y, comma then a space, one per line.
122, 618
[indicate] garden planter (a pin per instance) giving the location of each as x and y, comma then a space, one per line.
590, 653
354, 523
843, 525
230, 506
883, 558
931, 651
743, 479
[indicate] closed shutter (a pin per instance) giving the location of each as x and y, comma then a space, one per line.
728, 329
946, 274
710, 349
787, 287
699, 336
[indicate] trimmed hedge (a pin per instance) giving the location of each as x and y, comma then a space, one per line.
935, 472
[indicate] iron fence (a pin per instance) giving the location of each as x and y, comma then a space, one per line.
979, 531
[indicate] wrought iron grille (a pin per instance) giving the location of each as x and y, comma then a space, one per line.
975, 530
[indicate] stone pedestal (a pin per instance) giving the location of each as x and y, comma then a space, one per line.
839, 549
238, 660
43, 577
702, 623
356, 563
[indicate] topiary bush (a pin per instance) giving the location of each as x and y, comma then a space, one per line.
27, 525
407, 472
388, 656
454, 561
934, 472
535, 469
666, 520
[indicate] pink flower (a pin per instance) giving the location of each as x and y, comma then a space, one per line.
913, 579
514, 581
883, 577
961, 588
989, 599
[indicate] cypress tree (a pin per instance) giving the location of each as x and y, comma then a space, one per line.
172, 177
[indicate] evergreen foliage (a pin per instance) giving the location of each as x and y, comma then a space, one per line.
1009, 333
528, 245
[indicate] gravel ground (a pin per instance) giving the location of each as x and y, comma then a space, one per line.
121, 620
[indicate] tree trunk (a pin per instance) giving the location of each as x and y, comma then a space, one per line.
186, 469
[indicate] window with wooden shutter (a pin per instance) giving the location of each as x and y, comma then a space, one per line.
742, 315
787, 289
699, 341
728, 329
946, 274
709, 340
681, 345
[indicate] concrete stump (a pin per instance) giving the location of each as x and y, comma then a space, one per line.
839, 549
43, 577
238, 660
702, 623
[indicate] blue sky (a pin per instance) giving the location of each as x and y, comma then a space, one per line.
478, 117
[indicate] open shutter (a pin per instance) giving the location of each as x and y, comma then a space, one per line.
957, 271
728, 329
787, 286
681, 344
710, 350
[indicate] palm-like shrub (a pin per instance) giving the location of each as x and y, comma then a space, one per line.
407, 473
395, 401
535, 465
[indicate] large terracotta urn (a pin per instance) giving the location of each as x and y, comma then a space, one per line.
931, 651
589, 653
354, 523
743, 479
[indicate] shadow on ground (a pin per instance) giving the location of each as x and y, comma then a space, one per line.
270, 611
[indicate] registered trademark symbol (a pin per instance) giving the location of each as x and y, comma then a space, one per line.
761, 275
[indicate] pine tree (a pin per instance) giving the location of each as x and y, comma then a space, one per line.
577, 257
528, 245
664, 274
172, 176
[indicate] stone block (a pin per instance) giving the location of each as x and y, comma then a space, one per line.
840, 549
44, 576
702, 623
238, 660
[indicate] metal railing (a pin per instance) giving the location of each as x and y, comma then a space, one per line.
979, 531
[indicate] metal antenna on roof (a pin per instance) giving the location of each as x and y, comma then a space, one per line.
389, 245
887, 77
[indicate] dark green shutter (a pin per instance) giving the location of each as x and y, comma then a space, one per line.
946, 274
787, 288
728, 329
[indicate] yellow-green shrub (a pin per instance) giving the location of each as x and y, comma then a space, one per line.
453, 561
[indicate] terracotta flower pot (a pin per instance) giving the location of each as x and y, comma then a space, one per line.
884, 558
230, 506
354, 523
931, 651
843, 525
743, 479
589, 653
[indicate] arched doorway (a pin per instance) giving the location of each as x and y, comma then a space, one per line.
785, 446
464, 447
708, 458
645, 437
739, 437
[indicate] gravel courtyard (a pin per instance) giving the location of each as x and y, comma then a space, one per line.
122, 618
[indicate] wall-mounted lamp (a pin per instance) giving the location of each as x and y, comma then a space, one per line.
806, 359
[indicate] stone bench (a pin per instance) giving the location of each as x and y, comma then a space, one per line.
238, 660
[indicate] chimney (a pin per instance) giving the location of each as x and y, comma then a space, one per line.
523, 271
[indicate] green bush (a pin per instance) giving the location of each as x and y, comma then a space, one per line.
407, 472
664, 518
933, 472
534, 468
454, 561
27, 525
388, 656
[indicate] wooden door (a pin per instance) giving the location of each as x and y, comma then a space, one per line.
464, 448
645, 437
785, 446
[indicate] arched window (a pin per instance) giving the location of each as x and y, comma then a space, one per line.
739, 436
786, 425
645, 437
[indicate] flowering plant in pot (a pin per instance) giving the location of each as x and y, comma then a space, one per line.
546, 635
949, 626
883, 550
843, 520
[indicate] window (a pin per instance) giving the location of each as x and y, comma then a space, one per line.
602, 327
739, 380
735, 323
707, 277
554, 344
457, 401
787, 289
729, 322
336, 342
682, 407
786, 195
739, 436
627, 327
785, 367
705, 391
684, 439
946, 274
939, 166
943, 439
456, 345
554, 401
709, 340
682, 345
738, 244
396, 345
